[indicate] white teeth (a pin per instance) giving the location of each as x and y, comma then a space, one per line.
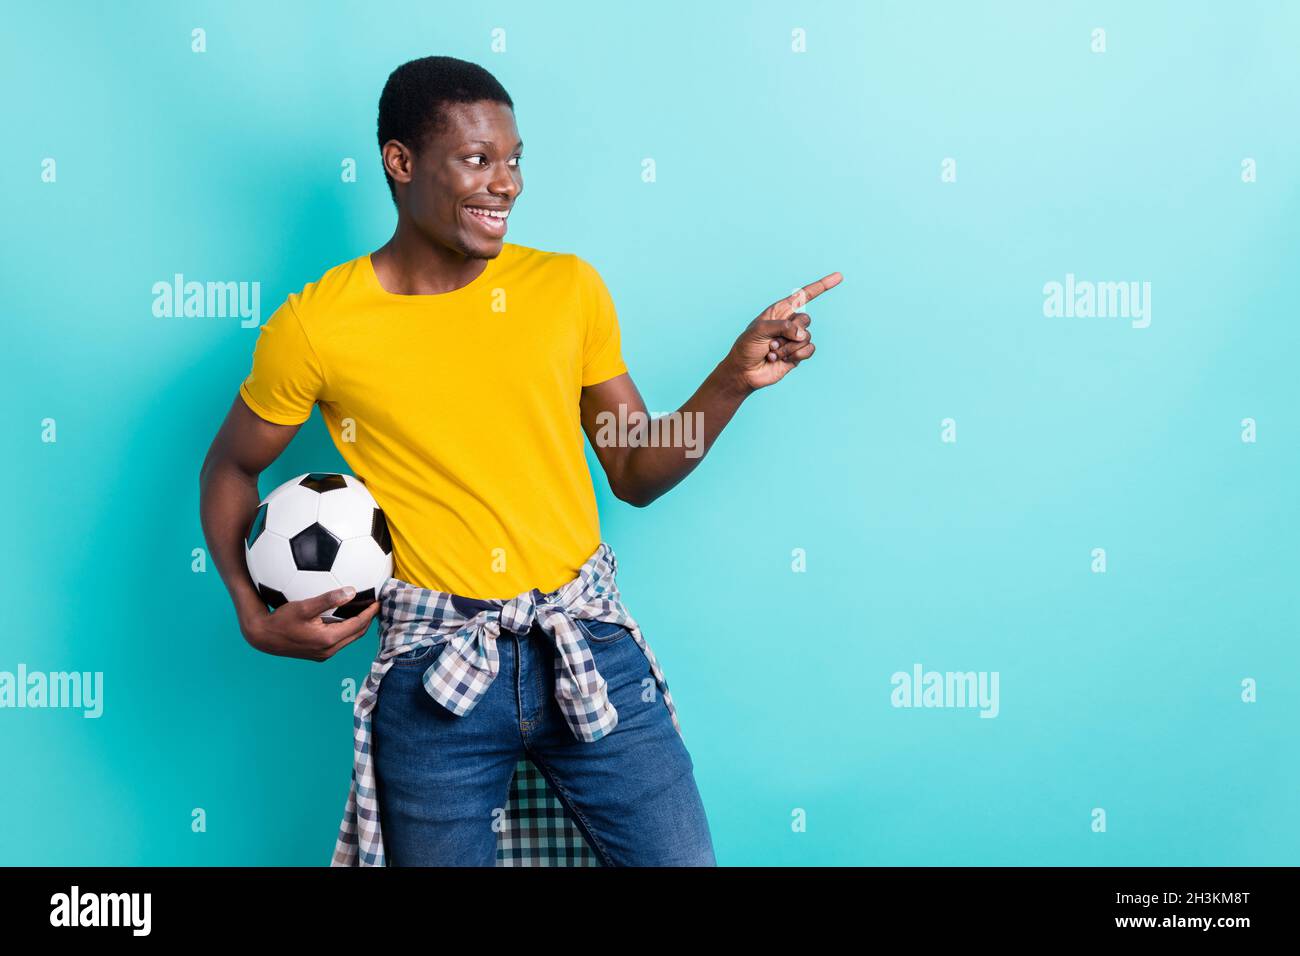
494, 213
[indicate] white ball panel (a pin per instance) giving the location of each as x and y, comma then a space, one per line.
361, 564
281, 489
346, 512
270, 560
291, 510
357, 485
308, 584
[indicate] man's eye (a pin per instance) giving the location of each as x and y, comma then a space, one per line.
514, 160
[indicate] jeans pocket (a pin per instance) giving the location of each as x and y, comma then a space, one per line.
602, 632
422, 654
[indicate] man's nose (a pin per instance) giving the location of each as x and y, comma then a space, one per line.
506, 185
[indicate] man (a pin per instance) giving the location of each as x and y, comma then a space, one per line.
456, 373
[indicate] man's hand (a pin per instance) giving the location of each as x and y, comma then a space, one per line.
778, 340
296, 629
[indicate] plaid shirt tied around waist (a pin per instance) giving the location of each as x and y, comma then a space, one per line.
412, 616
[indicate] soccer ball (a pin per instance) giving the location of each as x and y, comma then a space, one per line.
315, 533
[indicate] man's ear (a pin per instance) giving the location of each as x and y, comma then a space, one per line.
398, 161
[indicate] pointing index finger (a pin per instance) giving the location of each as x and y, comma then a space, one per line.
801, 297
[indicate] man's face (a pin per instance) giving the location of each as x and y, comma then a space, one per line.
459, 177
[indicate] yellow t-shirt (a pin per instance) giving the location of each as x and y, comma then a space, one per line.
459, 411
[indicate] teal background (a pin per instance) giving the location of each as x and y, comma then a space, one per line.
1118, 690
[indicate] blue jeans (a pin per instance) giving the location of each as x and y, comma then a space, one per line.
443, 780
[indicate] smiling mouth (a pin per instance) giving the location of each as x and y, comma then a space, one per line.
491, 221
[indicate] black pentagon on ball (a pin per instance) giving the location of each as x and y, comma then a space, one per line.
314, 549
258, 525
379, 531
360, 601
271, 597
323, 481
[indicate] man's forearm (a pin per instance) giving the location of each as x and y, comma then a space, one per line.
228, 500
650, 470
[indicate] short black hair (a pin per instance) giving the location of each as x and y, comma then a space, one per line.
411, 105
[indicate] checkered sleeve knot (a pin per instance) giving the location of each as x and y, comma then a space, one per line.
468, 665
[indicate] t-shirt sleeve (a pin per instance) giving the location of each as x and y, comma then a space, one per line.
602, 353
287, 377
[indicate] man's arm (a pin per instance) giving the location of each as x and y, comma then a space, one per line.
243, 447
770, 346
